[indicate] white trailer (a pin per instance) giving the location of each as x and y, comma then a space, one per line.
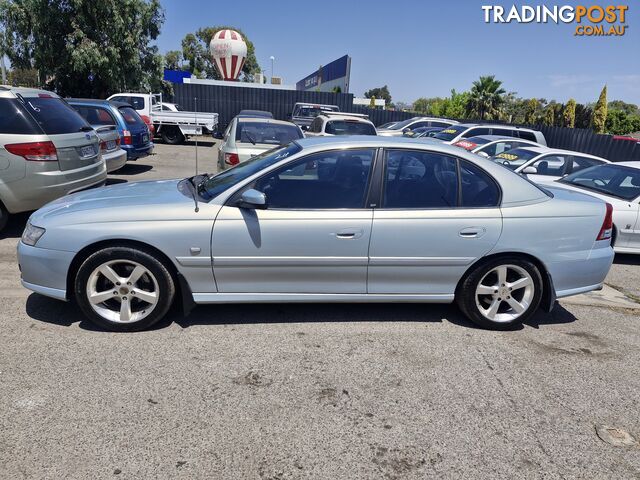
173, 127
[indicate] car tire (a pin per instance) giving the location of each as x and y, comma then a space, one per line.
124, 289
172, 135
4, 216
501, 293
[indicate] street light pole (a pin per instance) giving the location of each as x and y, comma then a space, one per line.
272, 60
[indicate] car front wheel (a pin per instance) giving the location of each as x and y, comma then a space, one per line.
501, 293
124, 289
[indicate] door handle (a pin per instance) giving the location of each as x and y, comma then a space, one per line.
349, 234
472, 232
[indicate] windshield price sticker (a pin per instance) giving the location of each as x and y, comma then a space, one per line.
507, 156
451, 130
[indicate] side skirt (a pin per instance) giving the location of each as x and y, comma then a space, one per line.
204, 298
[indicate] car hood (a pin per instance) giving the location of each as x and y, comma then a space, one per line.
123, 202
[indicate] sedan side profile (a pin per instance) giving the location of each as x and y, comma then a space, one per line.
332, 219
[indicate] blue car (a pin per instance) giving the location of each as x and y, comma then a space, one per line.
134, 133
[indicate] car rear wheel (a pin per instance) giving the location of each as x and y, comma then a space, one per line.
4, 216
124, 289
172, 135
501, 293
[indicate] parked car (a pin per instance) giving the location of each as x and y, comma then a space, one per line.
545, 165
246, 137
491, 145
96, 113
454, 133
169, 107
336, 123
47, 150
255, 114
619, 185
405, 126
386, 125
422, 132
318, 220
304, 113
172, 126
135, 138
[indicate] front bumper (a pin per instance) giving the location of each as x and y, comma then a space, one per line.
44, 270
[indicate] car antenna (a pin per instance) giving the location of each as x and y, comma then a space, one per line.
195, 193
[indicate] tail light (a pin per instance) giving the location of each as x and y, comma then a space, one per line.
231, 158
607, 225
127, 137
103, 145
34, 151
149, 123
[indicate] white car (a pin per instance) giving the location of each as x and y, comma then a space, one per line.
618, 184
545, 165
246, 137
330, 124
454, 133
400, 128
491, 145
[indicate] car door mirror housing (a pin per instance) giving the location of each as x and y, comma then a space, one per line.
217, 135
483, 154
530, 170
253, 199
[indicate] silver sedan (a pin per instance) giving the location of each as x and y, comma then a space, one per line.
338, 219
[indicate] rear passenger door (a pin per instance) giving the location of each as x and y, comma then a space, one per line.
437, 215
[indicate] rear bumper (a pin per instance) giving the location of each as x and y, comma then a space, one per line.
134, 152
44, 270
574, 277
39, 188
115, 160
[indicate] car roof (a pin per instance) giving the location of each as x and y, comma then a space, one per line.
27, 92
347, 116
263, 120
255, 113
494, 138
118, 104
495, 125
87, 101
547, 150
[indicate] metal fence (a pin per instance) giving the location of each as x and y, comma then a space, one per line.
228, 101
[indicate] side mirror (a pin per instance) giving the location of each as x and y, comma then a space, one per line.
253, 199
304, 128
217, 135
405, 130
483, 154
530, 170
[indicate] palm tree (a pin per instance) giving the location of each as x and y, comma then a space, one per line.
486, 98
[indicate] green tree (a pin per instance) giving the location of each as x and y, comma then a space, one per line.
24, 77
336, 89
173, 59
372, 102
549, 115
486, 98
380, 92
85, 48
628, 108
583, 116
600, 112
531, 109
569, 114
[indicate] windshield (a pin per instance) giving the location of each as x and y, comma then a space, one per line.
402, 124
450, 133
615, 180
512, 159
214, 186
349, 127
313, 110
55, 116
266, 133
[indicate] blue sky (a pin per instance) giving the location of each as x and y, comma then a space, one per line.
424, 48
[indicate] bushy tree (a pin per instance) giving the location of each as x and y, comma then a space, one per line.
486, 98
569, 113
173, 60
628, 108
620, 123
372, 102
600, 112
583, 116
380, 92
549, 115
85, 48
531, 111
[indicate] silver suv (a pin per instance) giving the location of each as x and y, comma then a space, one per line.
46, 150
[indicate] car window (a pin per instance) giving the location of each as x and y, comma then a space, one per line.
616, 180
420, 124
527, 135
449, 133
266, 133
120, 98
499, 147
417, 179
438, 124
325, 180
54, 115
551, 165
515, 158
580, 163
478, 188
137, 102
14, 119
505, 132
349, 127
95, 115
476, 131
131, 116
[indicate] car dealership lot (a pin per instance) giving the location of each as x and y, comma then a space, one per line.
313, 391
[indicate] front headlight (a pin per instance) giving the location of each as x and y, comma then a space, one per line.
32, 234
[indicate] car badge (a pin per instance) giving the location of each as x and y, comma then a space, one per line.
87, 136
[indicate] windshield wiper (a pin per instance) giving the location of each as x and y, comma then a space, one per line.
251, 139
85, 129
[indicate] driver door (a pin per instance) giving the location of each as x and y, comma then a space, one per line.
313, 237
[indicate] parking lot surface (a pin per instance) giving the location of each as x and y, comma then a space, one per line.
313, 391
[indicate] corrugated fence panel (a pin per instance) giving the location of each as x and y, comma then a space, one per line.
227, 102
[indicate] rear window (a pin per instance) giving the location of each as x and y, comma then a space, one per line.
349, 127
450, 133
266, 133
55, 116
512, 159
96, 116
313, 111
15, 119
130, 116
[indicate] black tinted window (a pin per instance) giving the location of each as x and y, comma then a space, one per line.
415, 179
528, 136
96, 116
476, 131
438, 124
478, 188
137, 102
54, 115
131, 116
580, 163
266, 133
347, 127
504, 132
335, 179
14, 119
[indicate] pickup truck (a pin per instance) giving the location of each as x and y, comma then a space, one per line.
172, 127
304, 113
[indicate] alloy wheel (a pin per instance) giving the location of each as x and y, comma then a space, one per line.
505, 293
